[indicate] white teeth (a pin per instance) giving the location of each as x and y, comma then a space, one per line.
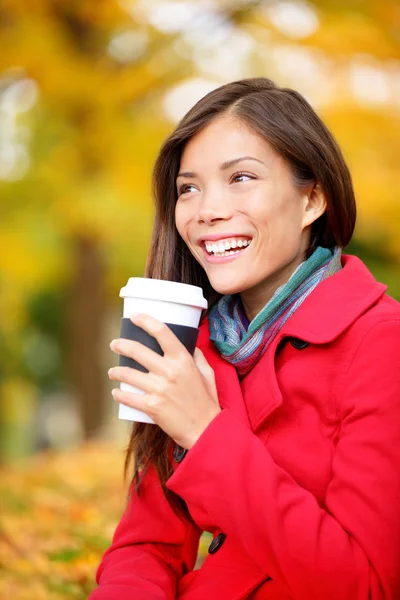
227, 252
224, 246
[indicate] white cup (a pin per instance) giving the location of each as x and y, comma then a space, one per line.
168, 301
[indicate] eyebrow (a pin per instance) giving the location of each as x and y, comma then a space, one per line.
223, 166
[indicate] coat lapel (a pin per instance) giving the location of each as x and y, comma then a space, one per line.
326, 313
228, 386
243, 398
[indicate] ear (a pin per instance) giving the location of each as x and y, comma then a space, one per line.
314, 205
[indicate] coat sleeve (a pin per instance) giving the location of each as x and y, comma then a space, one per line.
151, 549
348, 549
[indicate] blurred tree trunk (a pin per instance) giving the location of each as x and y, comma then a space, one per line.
86, 314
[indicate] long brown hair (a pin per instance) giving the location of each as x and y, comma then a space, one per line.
286, 120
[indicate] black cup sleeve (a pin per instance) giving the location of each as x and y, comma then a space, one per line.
187, 335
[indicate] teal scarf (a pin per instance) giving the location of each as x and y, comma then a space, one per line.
242, 343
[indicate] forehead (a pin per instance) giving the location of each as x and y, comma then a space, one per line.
222, 140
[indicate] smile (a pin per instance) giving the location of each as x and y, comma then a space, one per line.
225, 250
227, 246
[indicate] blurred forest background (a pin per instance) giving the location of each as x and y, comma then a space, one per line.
88, 91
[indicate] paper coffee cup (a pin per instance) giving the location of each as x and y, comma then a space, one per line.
179, 305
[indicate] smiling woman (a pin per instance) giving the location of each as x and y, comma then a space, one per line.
280, 435
255, 195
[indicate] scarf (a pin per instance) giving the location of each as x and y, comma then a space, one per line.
242, 343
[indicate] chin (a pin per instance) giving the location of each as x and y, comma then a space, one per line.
227, 289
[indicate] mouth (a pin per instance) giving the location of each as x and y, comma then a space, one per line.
226, 249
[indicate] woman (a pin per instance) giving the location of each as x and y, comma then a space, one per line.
281, 435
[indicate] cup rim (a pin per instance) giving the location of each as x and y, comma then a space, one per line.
173, 291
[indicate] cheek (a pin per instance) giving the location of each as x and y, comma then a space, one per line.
286, 214
182, 220
264, 215
178, 219
277, 224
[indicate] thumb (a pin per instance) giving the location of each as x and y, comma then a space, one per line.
206, 371
201, 363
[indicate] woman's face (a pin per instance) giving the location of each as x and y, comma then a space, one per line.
239, 212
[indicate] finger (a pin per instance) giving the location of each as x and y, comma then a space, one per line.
167, 340
146, 357
132, 377
138, 401
202, 364
207, 372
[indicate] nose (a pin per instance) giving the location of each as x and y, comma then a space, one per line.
213, 207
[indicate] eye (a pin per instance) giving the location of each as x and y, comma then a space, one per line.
185, 189
239, 177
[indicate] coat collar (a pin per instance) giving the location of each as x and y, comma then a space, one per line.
335, 304
326, 313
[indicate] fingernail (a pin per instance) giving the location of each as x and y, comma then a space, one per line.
114, 393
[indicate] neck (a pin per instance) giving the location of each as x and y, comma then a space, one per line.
256, 298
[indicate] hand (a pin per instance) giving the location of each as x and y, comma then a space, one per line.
180, 394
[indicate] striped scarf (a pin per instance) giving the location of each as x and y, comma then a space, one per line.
242, 343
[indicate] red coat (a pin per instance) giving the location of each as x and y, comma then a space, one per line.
298, 476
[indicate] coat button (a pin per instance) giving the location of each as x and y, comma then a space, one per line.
179, 453
216, 543
299, 344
